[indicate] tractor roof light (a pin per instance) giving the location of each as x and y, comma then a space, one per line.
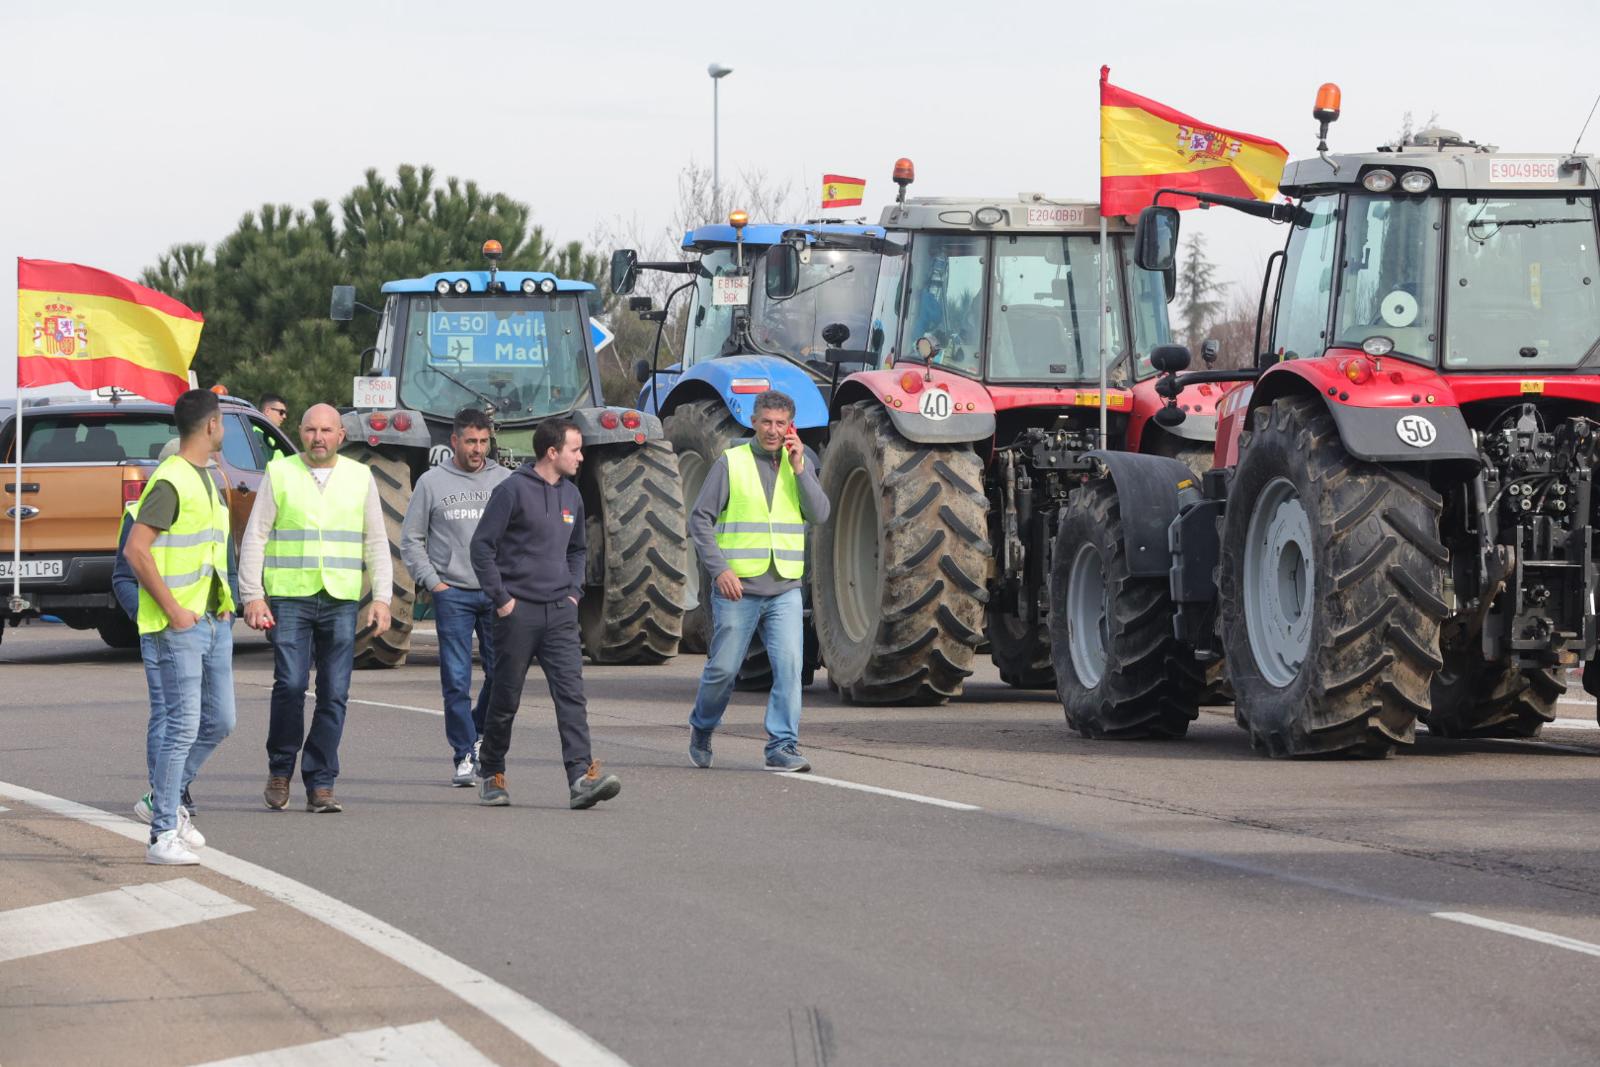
1326, 109
1416, 181
442, 287
988, 216
462, 287
905, 172
492, 250
529, 285
547, 286
1377, 181
911, 382
738, 219
1377, 345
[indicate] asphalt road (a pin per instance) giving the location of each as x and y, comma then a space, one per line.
1037, 898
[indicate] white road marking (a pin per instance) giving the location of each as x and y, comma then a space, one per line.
880, 791
397, 707
429, 1044
1514, 930
547, 1033
1574, 724
125, 912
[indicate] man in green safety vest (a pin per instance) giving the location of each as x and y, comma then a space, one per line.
749, 528
316, 522
178, 549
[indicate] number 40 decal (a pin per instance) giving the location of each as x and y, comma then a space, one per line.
935, 404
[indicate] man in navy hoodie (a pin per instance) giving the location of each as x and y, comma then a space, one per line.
529, 553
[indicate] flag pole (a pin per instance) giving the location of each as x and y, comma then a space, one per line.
1105, 317
16, 507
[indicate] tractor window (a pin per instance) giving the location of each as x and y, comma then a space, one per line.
1046, 320
880, 339
710, 325
527, 354
1389, 277
1523, 281
1300, 325
1147, 307
835, 285
944, 298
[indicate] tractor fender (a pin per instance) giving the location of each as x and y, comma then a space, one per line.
971, 408
1416, 419
1150, 492
594, 434
357, 430
1199, 405
718, 376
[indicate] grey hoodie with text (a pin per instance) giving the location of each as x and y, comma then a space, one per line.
446, 504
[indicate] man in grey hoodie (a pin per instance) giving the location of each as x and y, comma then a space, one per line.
435, 545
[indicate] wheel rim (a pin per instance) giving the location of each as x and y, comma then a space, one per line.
1087, 633
1279, 583
692, 468
855, 557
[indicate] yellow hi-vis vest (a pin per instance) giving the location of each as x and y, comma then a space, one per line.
750, 533
315, 543
194, 552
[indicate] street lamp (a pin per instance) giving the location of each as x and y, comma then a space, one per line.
717, 72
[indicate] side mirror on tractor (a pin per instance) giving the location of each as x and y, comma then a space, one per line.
783, 271
1155, 239
1169, 361
642, 371
624, 270
342, 308
1209, 350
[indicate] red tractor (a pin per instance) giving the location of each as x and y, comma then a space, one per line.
944, 462
1401, 522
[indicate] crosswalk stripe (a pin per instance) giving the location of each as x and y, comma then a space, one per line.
125, 912
429, 1044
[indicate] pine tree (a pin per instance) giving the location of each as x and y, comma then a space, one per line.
1199, 292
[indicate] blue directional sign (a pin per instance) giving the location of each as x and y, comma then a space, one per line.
599, 334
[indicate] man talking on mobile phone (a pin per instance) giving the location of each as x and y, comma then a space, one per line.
749, 528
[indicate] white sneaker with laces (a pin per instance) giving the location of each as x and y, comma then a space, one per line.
168, 851
144, 810
466, 772
188, 833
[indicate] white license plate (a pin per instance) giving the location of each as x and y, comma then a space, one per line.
730, 290
33, 568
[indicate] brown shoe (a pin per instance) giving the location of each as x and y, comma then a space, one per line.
321, 802
276, 794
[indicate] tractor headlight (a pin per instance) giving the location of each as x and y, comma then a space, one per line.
1377, 181
442, 287
547, 286
1377, 345
529, 285
1416, 181
462, 287
989, 216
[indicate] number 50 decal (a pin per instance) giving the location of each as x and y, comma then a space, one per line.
935, 404
1416, 431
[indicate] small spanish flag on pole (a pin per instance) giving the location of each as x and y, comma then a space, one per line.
839, 191
93, 329
1146, 146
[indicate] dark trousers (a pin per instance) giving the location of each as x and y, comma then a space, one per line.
548, 632
310, 628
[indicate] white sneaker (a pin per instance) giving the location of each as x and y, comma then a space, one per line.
168, 851
477, 757
143, 810
188, 833
466, 772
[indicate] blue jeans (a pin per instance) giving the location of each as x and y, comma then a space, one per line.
310, 628
197, 690
458, 614
733, 623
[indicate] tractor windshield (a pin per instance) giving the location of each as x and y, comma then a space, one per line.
1045, 323
1389, 276
525, 353
1524, 282
835, 285
710, 323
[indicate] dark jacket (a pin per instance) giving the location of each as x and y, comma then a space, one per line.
530, 543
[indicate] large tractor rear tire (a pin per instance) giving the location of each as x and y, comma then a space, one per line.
700, 432
1474, 698
1119, 670
393, 477
1331, 590
632, 609
115, 629
901, 564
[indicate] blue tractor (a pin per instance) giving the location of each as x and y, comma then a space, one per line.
760, 297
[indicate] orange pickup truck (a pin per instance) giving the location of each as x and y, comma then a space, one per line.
82, 463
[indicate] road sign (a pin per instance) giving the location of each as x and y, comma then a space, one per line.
599, 334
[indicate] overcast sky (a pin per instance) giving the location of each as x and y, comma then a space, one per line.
131, 127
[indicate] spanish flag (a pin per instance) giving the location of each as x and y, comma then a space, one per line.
1146, 146
839, 191
93, 329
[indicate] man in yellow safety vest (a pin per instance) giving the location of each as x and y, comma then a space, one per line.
317, 520
749, 528
178, 549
